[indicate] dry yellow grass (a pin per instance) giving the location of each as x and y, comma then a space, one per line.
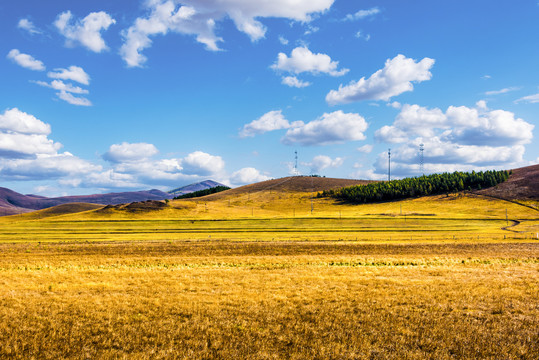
268, 300
249, 279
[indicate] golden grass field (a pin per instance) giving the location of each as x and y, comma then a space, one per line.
259, 276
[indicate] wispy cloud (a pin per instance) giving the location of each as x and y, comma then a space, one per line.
29, 26
502, 91
362, 14
25, 60
532, 99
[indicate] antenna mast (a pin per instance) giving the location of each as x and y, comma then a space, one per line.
296, 172
421, 159
389, 164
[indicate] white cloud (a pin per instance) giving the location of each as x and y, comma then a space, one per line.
270, 121
27, 25
532, 99
73, 100
395, 105
247, 175
303, 60
395, 78
203, 164
197, 18
390, 134
25, 60
46, 166
74, 73
87, 31
360, 35
283, 40
502, 91
26, 152
362, 14
293, 81
365, 149
16, 121
61, 86
130, 152
460, 138
481, 105
322, 162
22, 136
331, 128
462, 125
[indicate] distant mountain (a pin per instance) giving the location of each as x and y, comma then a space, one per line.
12, 202
203, 185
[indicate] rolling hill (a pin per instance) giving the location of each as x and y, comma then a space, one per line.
203, 185
12, 202
523, 184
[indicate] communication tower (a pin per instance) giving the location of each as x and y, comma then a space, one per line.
389, 164
296, 172
421, 159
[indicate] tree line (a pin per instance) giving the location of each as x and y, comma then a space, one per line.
204, 192
418, 186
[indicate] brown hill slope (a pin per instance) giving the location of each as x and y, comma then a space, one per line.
71, 208
289, 184
523, 184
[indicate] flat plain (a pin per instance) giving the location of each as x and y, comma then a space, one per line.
274, 273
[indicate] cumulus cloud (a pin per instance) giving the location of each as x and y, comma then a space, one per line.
28, 26
460, 124
74, 73
247, 175
394, 79
46, 166
16, 121
87, 31
461, 138
22, 136
283, 40
130, 152
293, 81
25, 60
362, 14
26, 152
335, 127
303, 60
270, 121
201, 163
532, 99
199, 19
322, 162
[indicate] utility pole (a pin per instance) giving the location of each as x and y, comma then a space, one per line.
389, 164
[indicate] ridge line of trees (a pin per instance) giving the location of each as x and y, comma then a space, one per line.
204, 192
418, 186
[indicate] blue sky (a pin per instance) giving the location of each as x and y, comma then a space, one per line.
99, 96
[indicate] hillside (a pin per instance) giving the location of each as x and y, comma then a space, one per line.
12, 202
523, 184
301, 184
203, 185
